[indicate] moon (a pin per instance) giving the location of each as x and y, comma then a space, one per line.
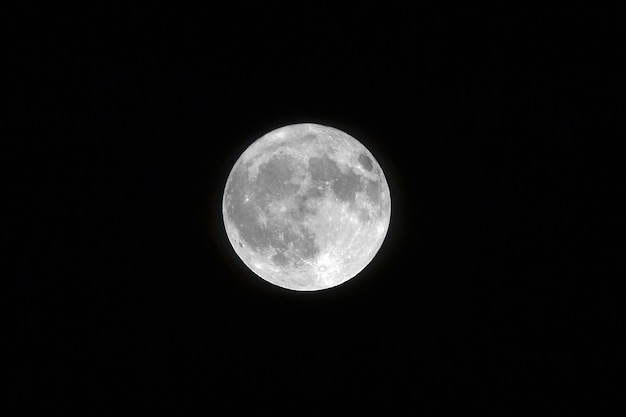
306, 207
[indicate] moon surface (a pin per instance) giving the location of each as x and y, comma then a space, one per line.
306, 207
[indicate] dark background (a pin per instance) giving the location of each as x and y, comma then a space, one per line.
500, 131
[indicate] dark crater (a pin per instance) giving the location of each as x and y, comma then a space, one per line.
366, 162
345, 186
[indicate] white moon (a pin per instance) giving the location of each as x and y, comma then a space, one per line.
306, 207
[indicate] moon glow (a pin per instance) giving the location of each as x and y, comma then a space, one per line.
306, 207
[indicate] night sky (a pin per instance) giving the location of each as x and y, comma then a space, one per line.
500, 132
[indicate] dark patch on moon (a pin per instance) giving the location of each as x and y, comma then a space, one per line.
373, 189
366, 162
305, 246
289, 237
274, 178
324, 169
280, 259
303, 209
314, 192
347, 185
309, 137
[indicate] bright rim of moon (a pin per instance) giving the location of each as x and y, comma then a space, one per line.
306, 207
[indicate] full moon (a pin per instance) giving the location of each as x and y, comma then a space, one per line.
306, 207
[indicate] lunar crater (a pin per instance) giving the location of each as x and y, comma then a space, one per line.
365, 162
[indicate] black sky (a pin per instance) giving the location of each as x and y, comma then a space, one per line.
501, 134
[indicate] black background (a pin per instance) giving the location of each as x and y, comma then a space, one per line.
500, 132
